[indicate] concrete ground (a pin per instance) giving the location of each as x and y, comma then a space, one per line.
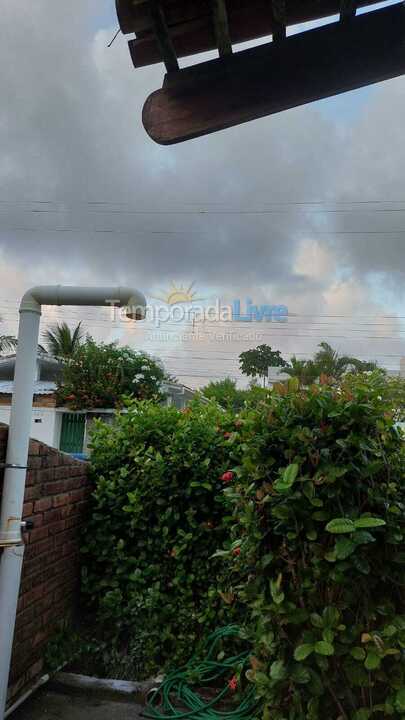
50, 705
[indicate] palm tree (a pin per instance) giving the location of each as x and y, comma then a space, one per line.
7, 343
305, 370
329, 362
61, 341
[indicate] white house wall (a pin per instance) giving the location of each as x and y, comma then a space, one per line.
45, 425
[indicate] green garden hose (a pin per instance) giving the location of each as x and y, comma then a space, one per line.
175, 699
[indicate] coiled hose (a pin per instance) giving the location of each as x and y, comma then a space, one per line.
177, 690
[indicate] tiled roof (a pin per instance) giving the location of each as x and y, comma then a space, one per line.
40, 387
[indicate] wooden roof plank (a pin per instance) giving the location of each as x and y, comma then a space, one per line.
164, 41
221, 26
271, 78
279, 20
246, 22
347, 10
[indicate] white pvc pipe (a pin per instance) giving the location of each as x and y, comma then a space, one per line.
18, 441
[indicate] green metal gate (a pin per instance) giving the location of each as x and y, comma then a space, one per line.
72, 433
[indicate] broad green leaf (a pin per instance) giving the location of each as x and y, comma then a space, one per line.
278, 670
324, 648
358, 653
344, 548
301, 675
287, 479
400, 700
276, 592
330, 616
372, 661
316, 620
363, 714
339, 526
302, 652
369, 522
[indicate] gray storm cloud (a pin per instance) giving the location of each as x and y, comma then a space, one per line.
71, 136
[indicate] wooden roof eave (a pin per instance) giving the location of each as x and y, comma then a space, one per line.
192, 30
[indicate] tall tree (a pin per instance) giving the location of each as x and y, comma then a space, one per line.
330, 363
256, 362
100, 375
61, 341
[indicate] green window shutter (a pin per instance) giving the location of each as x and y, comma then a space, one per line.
72, 433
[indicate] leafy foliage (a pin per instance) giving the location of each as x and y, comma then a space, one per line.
305, 370
99, 375
7, 343
256, 362
330, 362
326, 362
319, 572
61, 341
157, 517
229, 397
225, 393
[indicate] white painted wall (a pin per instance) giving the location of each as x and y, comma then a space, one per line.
45, 424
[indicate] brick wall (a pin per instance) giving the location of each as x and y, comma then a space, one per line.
56, 495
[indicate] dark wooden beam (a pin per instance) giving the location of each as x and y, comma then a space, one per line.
279, 21
221, 27
347, 10
167, 51
247, 20
271, 78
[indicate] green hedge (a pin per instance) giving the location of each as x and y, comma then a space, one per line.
157, 517
318, 552
301, 500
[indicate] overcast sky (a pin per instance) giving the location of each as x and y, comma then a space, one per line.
87, 198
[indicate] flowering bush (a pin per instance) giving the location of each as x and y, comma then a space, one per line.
99, 375
318, 552
157, 517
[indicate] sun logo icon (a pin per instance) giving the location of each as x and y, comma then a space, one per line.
179, 294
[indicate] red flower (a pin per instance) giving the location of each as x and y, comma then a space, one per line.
227, 435
233, 683
236, 551
227, 477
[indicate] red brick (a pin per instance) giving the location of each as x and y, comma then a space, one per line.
78, 495
34, 594
43, 505
36, 549
34, 462
34, 448
32, 493
52, 515
27, 509
39, 533
30, 477
54, 488
60, 500
56, 497
56, 527
61, 472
